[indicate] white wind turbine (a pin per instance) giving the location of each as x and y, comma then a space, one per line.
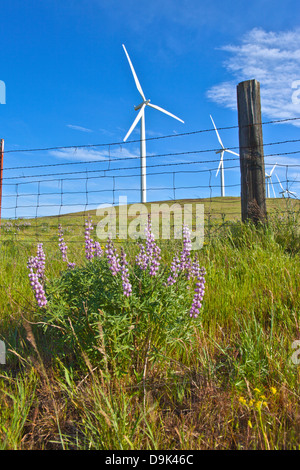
285, 191
268, 177
141, 116
221, 164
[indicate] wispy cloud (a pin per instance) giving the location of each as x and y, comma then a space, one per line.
271, 58
79, 128
91, 154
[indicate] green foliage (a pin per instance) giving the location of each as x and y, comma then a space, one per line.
90, 312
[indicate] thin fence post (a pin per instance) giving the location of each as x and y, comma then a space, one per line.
1, 175
253, 191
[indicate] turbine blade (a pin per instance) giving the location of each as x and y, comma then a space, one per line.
230, 151
138, 85
219, 138
279, 182
273, 188
138, 117
273, 169
164, 111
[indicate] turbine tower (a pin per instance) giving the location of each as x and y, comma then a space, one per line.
269, 181
141, 117
221, 164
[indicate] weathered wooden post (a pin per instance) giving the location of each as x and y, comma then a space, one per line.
253, 190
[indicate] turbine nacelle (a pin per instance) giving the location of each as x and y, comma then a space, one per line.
136, 108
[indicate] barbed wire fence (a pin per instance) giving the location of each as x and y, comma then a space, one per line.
36, 198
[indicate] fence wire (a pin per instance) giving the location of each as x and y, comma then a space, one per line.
35, 197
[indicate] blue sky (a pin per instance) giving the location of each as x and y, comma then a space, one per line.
68, 83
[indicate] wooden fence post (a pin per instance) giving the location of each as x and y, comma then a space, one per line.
253, 190
1, 173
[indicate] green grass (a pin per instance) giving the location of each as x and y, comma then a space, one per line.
226, 381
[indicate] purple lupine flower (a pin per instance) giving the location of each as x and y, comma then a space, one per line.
37, 289
127, 288
199, 294
184, 263
37, 278
149, 256
186, 251
98, 250
38, 262
63, 247
62, 244
142, 259
71, 265
195, 271
89, 244
112, 257
174, 271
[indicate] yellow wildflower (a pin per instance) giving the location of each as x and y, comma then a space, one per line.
273, 390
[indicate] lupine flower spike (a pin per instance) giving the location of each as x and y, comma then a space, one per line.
112, 257
149, 256
89, 244
63, 247
199, 294
37, 278
127, 289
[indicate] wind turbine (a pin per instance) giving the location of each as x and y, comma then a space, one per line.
221, 164
269, 181
141, 117
285, 191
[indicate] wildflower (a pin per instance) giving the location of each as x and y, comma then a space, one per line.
63, 248
174, 270
38, 262
112, 257
36, 278
199, 294
98, 250
187, 246
89, 244
273, 390
127, 289
71, 265
243, 401
62, 245
149, 256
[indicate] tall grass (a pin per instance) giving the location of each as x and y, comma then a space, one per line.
222, 381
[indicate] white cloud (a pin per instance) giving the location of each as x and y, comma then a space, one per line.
271, 58
90, 154
79, 128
